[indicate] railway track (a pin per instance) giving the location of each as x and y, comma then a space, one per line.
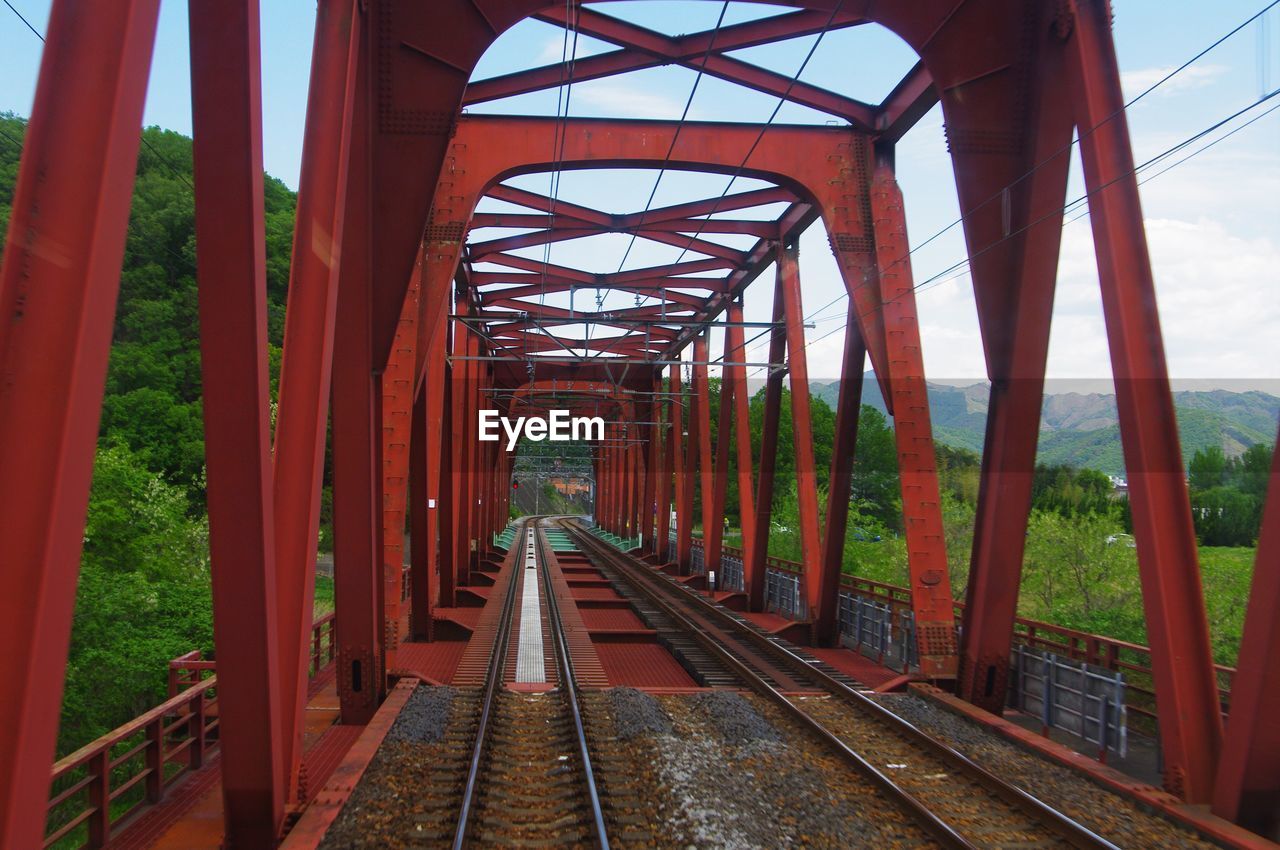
530, 781
960, 803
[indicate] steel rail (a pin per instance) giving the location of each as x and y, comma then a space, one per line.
497, 664
1065, 827
569, 685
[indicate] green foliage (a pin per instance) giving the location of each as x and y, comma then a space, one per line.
1068, 491
1228, 494
143, 596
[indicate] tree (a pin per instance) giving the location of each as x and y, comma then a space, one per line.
1208, 468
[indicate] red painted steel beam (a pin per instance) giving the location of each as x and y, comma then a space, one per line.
729, 38
557, 207
714, 63
931, 601
754, 569
682, 225
1177, 628
1013, 229
702, 411
690, 210
911, 99
1247, 789
399, 381
58, 289
653, 466
680, 443
226, 112
736, 376
666, 468
802, 423
713, 534
307, 360
848, 406
422, 582
355, 439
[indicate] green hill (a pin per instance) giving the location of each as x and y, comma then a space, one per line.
1081, 429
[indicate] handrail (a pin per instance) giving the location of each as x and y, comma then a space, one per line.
1099, 650
154, 750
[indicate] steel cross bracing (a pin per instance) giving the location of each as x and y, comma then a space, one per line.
407, 315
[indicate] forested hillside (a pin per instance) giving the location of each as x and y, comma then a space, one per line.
1080, 429
143, 595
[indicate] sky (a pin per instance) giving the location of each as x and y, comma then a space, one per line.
1213, 222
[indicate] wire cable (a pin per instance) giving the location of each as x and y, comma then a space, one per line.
1076, 203
146, 143
676, 136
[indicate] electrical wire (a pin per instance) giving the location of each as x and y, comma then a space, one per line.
145, 143
1001, 193
186, 262
666, 160
1076, 203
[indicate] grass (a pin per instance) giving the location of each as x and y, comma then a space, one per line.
324, 596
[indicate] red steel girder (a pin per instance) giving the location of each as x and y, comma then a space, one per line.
848, 406
823, 165
911, 99
714, 63
754, 568
931, 600
1173, 599
58, 290
1248, 785
226, 111
688, 47
357, 490
307, 359
1013, 235
801, 423
736, 376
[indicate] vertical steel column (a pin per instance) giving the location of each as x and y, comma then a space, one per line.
435, 387
736, 376
458, 399
307, 361
226, 112
1177, 628
649, 505
1248, 784
755, 569
421, 540
445, 529
683, 474
931, 601
398, 381
666, 467
1015, 245
356, 475
826, 615
56, 313
702, 406
788, 260
713, 534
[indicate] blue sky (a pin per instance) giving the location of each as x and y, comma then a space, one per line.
1212, 222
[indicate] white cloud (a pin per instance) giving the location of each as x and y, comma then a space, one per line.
1218, 294
616, 98
1194, 77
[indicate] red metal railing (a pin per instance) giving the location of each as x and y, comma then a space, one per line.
103, 783
1134, 660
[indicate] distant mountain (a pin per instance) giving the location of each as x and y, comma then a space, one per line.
1082, 429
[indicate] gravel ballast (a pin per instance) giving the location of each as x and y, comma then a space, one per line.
1111, 815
